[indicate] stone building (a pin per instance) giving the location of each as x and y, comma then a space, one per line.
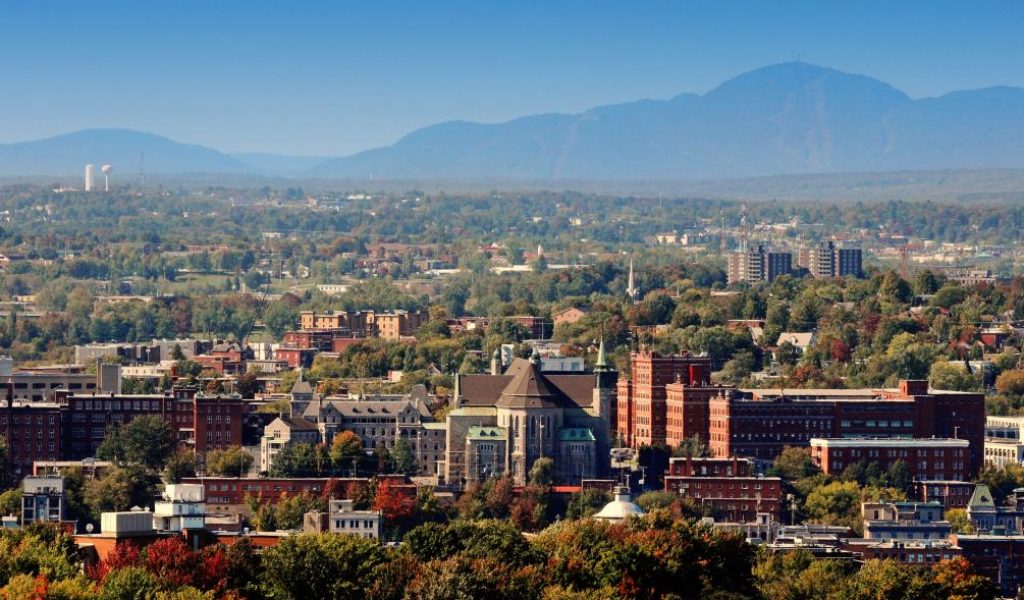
504, 422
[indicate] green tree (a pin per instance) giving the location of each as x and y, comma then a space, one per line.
180, 465
120, 489
340, 567
949, 376
794, 463
404, 458
542, 472
130, 583
586, 503
147, 440
295, 460
231, 462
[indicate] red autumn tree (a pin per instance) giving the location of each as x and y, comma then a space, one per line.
394, 502
172, 562
124, 554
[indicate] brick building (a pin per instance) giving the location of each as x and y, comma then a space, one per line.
926, 459
728, 487
641, 417
32, 431
759, 423
950, 494
686, 411
386, 325
998, 557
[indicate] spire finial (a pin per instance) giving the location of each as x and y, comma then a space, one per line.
602, 358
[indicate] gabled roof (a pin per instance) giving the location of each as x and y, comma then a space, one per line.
297, 423
565, 391
528, 389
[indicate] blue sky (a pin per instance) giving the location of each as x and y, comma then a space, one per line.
332, 78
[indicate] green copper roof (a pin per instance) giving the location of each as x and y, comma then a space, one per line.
576, 434
486, 433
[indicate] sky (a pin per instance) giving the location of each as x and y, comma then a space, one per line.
334, 78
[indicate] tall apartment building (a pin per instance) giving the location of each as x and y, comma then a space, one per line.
826, 260
746, 266
849, 262
758, 264
642, 412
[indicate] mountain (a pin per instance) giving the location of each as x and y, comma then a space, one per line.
791, 118
68, 154
279, 164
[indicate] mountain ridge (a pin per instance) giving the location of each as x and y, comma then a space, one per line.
784, 119
791, 118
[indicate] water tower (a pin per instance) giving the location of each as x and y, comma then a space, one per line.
88, 178
106, 177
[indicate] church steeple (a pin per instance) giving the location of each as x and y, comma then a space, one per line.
602, 359
631, 290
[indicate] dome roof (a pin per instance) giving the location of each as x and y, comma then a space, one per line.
621, 508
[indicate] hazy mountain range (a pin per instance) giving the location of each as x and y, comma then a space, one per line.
792, 118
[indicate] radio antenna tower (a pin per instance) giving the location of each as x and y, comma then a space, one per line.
743, 228
142, 168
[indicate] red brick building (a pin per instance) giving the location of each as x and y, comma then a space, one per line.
641, 415
728, 487
950, 494
926, 459
217, 422
296, 357
32, 431
686, 411
998, 557
760, 423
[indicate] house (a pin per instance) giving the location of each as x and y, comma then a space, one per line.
342, 517
285, 431
569, 315
800, 341
987, 517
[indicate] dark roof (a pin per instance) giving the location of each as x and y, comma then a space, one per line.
523, 385
298, 424
528, 389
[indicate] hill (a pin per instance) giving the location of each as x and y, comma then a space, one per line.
792, 118
68, 154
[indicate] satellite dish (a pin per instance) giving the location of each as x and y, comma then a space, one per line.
89, 527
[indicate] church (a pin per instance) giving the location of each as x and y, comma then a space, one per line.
503, 422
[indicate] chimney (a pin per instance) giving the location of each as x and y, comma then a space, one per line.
913, 387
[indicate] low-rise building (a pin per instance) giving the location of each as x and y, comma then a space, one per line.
181, 508
950, 494
728, 489
344, 518
1004, 441
940, 459
988, 517
42, 500
284, 431
997, 557
905, 521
